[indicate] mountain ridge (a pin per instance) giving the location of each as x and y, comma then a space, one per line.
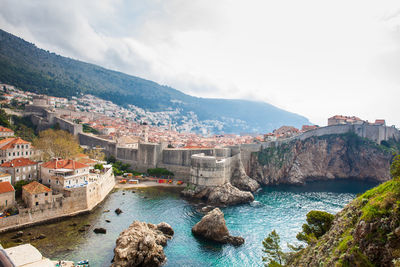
33, 69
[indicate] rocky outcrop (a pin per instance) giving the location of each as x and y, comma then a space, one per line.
243, 182
142, 245
224, 195
365, 233
324, 157
213, 227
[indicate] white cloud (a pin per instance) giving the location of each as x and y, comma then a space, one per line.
312, 57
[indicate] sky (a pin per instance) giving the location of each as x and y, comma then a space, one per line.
316, 58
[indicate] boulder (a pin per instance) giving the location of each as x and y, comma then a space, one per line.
100, 230
165, 228
213, 227
118, 211
223, 195
17, 235
142, 245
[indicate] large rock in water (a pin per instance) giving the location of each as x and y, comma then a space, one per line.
213, 227
223, 195
142, 245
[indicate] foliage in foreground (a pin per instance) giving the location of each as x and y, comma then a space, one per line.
318, 223
274, 254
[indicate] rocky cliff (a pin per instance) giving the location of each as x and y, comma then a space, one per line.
324, 157
365, 233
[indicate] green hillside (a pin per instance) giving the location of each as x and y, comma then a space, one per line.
24, 65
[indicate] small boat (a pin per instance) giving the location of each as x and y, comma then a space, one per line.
83, 263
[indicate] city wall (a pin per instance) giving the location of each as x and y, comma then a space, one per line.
375, 133
74, 201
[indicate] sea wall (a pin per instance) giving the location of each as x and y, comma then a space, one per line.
72, 202
208, 170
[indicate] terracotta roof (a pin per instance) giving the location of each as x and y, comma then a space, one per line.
86, 161
6, 187
36, 188
4, 129
64, 164
11, 142
18, 162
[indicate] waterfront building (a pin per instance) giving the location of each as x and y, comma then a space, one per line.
35, 194
64, 173
7, 195
20, 169
14, 147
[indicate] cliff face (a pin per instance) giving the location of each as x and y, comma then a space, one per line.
365, 233
325, 157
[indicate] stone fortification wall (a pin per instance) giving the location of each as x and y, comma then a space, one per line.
208, 170
109, 146
182, 157
245, 151
375, 133
73, 202
44, 119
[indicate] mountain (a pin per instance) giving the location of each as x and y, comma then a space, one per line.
33, 69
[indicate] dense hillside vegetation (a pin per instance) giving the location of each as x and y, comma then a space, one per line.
24, 65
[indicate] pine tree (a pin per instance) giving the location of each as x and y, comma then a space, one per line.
273, 250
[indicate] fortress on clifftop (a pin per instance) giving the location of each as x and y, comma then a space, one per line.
200, 166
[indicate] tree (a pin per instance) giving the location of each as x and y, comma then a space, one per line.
99, 166
56, 144
18, 187
395, 167
318, 223
273, 250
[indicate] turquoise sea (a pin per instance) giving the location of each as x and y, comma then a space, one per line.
282, 208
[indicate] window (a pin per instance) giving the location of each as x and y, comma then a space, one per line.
18, 153
9, 154
17, 146
26, 146
26, 153
49, 180
13, 153
57, 182
17, 170
37, 203
30, 153
35, 196
6, 202
46, 194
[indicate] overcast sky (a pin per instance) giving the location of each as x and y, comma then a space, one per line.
312, 57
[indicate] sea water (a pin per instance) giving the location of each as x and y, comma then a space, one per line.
282, 208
